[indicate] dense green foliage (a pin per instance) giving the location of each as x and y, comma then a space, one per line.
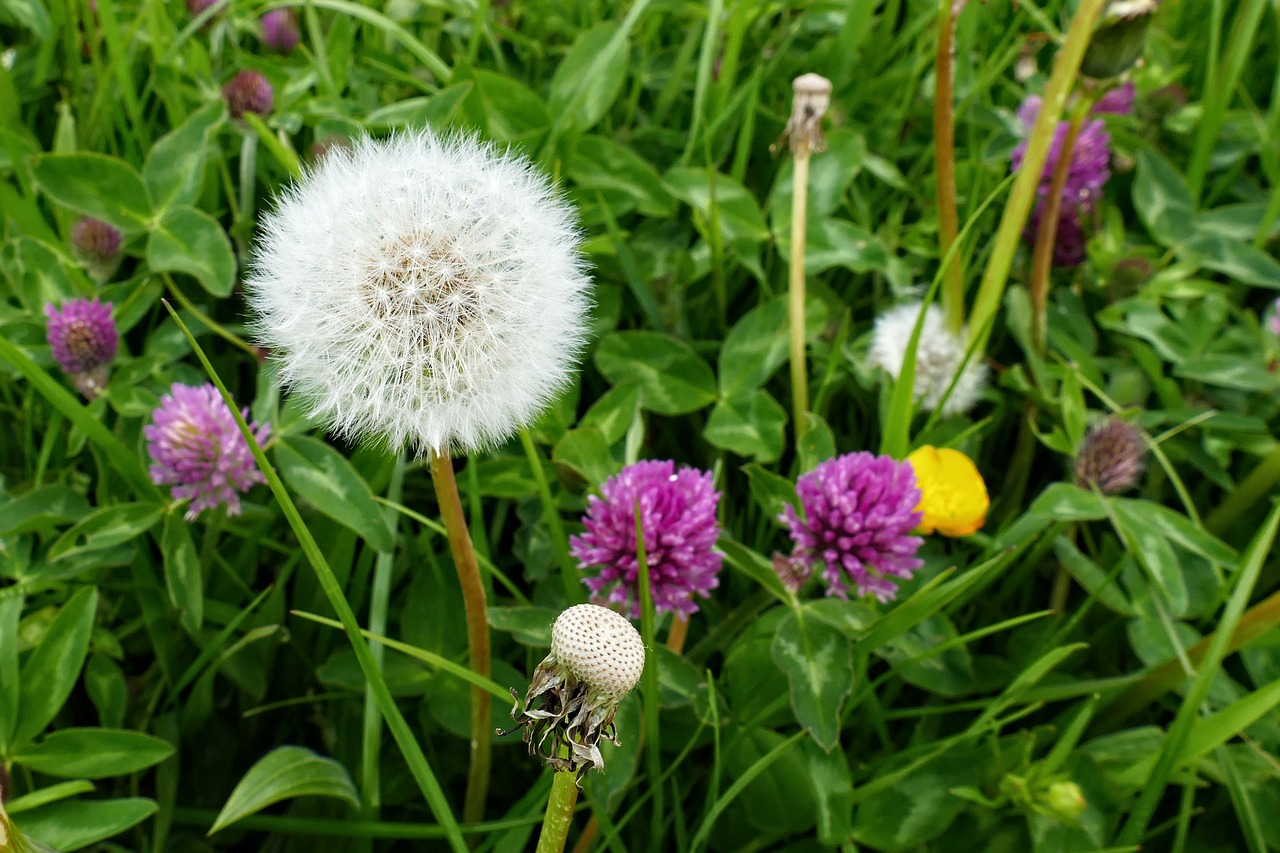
159, 676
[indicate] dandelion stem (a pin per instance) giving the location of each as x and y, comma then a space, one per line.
799, 370
944, 155
1047, 229
559, 817
473, 597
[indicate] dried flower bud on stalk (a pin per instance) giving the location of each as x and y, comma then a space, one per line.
596, 659
1119, 38
1111, 457
812, 97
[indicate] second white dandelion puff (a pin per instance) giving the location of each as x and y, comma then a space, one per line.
423, 290
939, 356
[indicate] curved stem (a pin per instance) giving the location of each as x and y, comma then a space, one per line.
473, 597
944, 156
555, 826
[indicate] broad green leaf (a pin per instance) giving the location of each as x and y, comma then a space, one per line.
1153, 552
602, 164
325, 479
832, 243
751, 424
913, 653
829, 178
69, 825
587, 81
175, 166
530, 626
613, 411
586, 452
671, 376
1091, 577
1236, 260
780, 800
1177, 528
833, 791
284, 773
771, 493
96, 185
41, 509
818, 661
1162, 199
1228, 370
504, 108
758, 344
52, 670
94, 753
10, 614
735, 208
190, 241
45, 275
918, 807
1209, 733
182, 574
753, 566
105, 528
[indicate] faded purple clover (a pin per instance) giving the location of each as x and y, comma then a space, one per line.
1111, 457
197, 448
678, 516
858, 514
1087, 173
98, 244
84, 340
248, 92
280, 30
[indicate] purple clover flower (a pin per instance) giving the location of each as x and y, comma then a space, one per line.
248, 92
678, 517
84, 340
197, 448
96, 240
280, 30
1086, 175
1111, 457
859, 511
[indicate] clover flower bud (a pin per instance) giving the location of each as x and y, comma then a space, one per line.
84, 340
280, 30
596, 659
1065, 801
1111, 457
1119, 38
98, 245
248, 92
804, 127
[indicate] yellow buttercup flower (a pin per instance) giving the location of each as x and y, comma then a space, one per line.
953, 496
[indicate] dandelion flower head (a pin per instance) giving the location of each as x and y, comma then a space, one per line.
858, 514
953, 495
678, 516
197, 448
938, 356
424, 290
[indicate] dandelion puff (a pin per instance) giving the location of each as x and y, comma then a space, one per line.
938, 356
425, 290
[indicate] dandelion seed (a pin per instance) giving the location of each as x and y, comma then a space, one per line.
939, 355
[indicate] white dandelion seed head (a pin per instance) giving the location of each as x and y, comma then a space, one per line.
938, 355
424, 290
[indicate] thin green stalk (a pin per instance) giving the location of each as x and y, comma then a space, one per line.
473, 597
573, 591
649, 679
944, 155
991, 290
1251, 492
795, 291
419, 767
209, 323
380, 597
555, 826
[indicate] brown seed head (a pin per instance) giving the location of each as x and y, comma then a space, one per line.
600, 647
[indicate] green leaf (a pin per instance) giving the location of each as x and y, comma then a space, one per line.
602, 164
758, 344
284, 773
613, 412
51, 672
1209, 733
175, 166
191, 241
41, 509
589, 78
96, 185
1154, 553
106, 528
771, 493
504, 108
777, 797
671, 376
833, 790
10, 614
1162, 199
325, 479
753, 566
586, 452
69, 825
736, 209
33, 15
530, 626
1238, 261
918, 807
818, 661
751, 424
182, 574
94, 753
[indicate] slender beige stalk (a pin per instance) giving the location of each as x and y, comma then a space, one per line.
944, 156
473, 597
812, 96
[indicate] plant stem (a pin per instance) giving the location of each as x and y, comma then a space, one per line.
1047, 229
991, 290
573, 591
371, 742
799, 370
464, 560
555, 826
1251, 492
944, 155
